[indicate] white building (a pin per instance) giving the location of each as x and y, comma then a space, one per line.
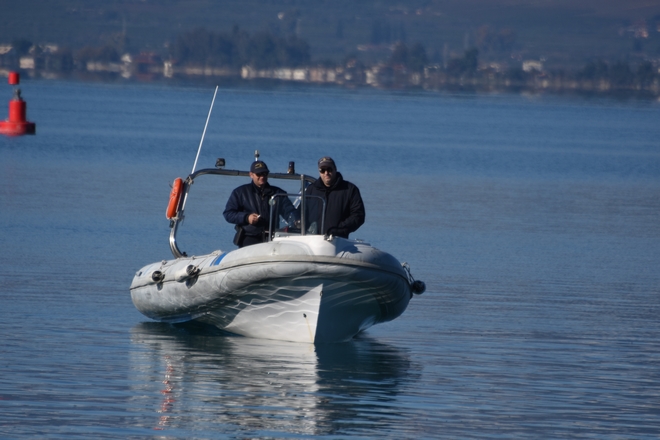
531, 65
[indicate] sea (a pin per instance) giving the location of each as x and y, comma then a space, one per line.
534, 221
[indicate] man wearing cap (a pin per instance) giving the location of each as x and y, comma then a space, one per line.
248, 206
344, 210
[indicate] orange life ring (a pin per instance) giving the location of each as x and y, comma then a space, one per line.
175, 196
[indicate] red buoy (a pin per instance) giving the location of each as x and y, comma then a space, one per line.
14, 79
17, 111
17, 123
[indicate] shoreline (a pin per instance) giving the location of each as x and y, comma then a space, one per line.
414, 83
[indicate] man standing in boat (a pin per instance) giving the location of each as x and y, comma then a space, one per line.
248, 206
344, 209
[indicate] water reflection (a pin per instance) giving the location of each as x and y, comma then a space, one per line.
201, 379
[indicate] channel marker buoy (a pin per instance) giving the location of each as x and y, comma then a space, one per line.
17, 124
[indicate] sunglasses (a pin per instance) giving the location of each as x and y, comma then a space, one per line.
326, 170
262, 174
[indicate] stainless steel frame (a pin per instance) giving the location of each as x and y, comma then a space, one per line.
174, 222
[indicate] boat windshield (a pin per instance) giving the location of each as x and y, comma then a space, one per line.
291, 215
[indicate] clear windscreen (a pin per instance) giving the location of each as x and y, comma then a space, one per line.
290, 215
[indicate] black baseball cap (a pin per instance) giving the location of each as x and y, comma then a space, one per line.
259, 167
327, 162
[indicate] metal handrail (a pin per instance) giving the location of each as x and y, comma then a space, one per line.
187, 183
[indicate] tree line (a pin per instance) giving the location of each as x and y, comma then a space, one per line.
199, 47
595, 75
238, 48
619, 74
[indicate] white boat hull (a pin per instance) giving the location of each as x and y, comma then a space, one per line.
303, 289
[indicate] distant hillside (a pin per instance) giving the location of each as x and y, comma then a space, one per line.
564, 33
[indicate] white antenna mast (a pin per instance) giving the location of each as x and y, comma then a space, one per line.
204, 132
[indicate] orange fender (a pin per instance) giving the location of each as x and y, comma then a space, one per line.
175, 196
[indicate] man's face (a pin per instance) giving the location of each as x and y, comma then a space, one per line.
328, 175
259, 179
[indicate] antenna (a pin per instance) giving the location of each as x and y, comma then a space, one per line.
204, 132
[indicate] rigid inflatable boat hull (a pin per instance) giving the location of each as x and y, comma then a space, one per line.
303, 289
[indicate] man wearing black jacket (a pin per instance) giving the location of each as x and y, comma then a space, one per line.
344, 210
248, 206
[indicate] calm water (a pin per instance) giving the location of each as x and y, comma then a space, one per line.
534, 221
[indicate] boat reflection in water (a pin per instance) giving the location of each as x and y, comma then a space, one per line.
231, 384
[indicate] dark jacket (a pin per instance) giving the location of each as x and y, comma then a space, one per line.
247, 199
344, 210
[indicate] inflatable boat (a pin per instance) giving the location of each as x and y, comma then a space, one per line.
299, 285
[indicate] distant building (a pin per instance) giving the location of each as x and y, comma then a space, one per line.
26, 62
281, 73
168, 71
8, 56
102, 66
532, 65
50, 48
300, 74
